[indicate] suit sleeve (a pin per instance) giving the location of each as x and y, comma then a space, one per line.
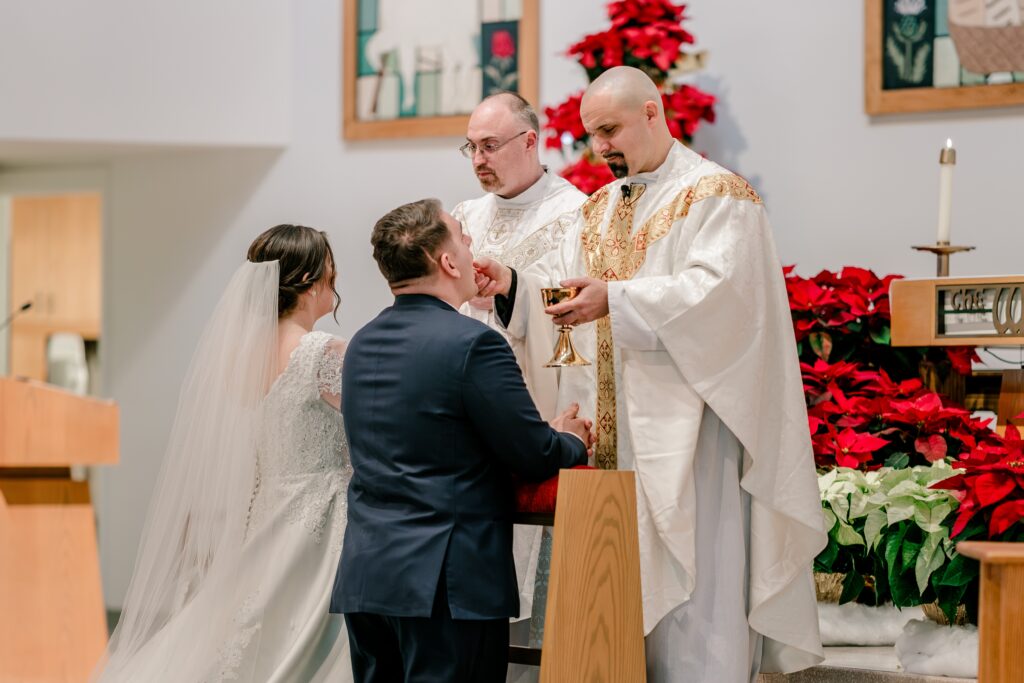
501, 410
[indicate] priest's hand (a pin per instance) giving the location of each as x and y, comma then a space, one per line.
570, 422
483, 303
591, 303
492, 277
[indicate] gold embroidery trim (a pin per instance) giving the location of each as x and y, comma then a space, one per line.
618, 257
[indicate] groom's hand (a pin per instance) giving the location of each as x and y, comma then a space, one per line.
570, 423
492, 277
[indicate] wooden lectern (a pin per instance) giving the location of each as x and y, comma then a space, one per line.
964, 311
1001, 609
978, 311
594, 625
52, 620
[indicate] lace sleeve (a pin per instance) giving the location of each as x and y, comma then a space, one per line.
328, 375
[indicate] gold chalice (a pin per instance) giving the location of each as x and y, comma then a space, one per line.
565, 353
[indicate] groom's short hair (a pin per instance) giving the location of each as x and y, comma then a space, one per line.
406, 240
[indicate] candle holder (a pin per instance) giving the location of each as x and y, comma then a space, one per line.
942, 250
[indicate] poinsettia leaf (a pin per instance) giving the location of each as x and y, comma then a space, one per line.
881, 336
992, 487
830, 519
1005, 516
892, 547
959, 572
932, 447
827, 557
853, 584
821, 344
873, 525
847, 535
898, 460
929, 558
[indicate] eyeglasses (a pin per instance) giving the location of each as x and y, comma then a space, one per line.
469, 149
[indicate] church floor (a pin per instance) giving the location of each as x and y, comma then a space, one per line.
858, 665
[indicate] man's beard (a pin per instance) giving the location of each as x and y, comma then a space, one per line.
489, 182
617, 164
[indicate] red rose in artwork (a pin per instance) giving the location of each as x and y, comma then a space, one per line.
502, 45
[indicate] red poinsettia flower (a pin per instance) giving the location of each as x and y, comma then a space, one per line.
961, 357
565, 118
626, 12
502, 45
851, 448
685, 108
926, 412
587, 176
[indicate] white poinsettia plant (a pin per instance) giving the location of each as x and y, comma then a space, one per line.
865, 508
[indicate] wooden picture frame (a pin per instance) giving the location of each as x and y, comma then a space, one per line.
880, 100
355, 127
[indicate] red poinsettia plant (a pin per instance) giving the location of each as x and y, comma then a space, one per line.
648, 35
861, 418
990, 489
845, 315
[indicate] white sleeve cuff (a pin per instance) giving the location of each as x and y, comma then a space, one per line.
629, 329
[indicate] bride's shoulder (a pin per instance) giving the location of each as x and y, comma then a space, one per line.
330, 344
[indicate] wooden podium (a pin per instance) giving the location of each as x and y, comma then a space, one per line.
978, 311
594, 625
1001, 609
52, 619
964, 311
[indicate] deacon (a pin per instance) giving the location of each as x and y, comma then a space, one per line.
696, 387
526, 213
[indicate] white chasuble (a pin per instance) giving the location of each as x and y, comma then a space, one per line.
517, 232
695, 367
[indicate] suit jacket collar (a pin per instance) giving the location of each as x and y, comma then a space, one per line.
406, 300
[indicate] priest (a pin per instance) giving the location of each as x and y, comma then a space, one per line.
695, 386
526, 213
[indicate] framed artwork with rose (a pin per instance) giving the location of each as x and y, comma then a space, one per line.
417, 68
933, 55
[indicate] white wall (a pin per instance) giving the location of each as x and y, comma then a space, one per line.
841, 189
145, 71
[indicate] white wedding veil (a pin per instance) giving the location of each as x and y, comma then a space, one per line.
196, 525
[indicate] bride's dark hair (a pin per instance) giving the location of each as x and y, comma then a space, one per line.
305, 258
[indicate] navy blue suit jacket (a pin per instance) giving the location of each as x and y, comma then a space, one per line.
437, 417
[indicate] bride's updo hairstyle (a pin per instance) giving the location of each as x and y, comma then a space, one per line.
305, 258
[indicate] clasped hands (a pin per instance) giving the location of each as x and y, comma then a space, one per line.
591, 303
570, 422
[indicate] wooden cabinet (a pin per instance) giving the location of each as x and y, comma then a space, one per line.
55, 264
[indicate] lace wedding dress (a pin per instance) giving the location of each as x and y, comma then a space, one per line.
266, 618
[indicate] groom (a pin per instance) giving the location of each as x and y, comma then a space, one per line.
437, 416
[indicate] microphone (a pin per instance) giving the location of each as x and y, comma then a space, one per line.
21, 309
626, 191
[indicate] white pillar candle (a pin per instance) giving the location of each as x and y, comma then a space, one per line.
947, 160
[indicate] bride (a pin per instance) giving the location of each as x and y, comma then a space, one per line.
237, 560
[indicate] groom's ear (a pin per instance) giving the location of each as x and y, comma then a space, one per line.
447, 264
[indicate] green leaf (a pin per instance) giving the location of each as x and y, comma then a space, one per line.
821, 344
882, 336
827, 557
898, 460
909, 553
892, 548
959, 572
853, 584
